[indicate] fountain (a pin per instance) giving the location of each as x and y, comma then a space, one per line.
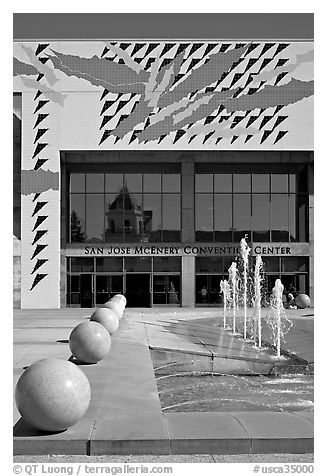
236, 376
257, 298
225, 289
277, 320
245, 250
233, 278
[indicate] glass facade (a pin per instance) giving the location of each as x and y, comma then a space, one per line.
267, 207
131, 205
292, 271
125, 208
144, 281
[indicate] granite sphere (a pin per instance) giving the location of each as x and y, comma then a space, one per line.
119, 298
53, 394
302, 301
89, 342
106, 317
117, 307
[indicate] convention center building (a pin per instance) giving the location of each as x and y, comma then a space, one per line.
139, 164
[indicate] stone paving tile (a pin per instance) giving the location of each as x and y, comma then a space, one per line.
74, 441
207, 433
277, 432
130, 433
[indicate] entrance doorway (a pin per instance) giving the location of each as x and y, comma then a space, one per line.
86, 290
138, 290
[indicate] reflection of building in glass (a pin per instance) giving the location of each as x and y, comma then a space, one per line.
125, 216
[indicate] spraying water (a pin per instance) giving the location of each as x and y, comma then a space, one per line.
225, 289
245, 250
277, 319
257, 298
232, 272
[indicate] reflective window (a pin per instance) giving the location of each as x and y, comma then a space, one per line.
95, 183
111, 264
171, 216
152, 217
292, 217
77, 218
223, 183
204, 217
81, 265
294, 264
241, 215
279, 217
241, 183
260, 183
77, 183
223, 217
140, 264
302, 216
209, 265
167, 264
133, 182
171, 183
204, 182
292, 183
94, 217
152, 183
271, 264
279, 183
113, 182
260, 217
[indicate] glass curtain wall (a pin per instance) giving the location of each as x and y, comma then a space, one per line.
268, 207
124, 208
93, 281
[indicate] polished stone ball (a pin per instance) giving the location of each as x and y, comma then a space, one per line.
115, 306
119, 298
106, 317
302, 301
89, 342
53, 394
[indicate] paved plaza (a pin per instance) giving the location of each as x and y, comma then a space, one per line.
125, 415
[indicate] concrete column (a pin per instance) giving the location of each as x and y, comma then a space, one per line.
187, 171
311, 234
188, 281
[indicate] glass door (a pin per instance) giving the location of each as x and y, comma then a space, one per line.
138, 290
166, 290
86, 290
107, 286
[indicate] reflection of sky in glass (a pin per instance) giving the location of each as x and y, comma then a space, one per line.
203, 182
279, 183
152, 202
241, 182
171, 182
77, 203
292, 216
113, 182
94, 183
204, 212
260, 212
94, 216
171, 212
223, 182
292, 183
279, 212
152, 183
223, 212
260, 183
77, 183
133, 182
242, 211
